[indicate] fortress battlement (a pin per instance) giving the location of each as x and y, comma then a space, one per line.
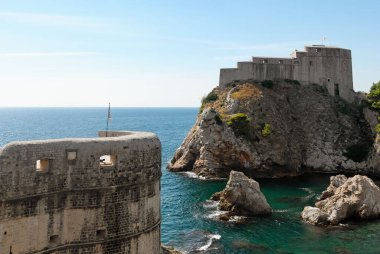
327, 66
81, 195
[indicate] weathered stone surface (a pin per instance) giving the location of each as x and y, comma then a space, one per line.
169, 250
355, 197
242, 196
74, 202
311, 131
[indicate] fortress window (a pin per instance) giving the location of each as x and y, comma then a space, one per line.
108, 160
54, 239
264, 61
100, 234
280, 62
311, 63
317, 50
71, 155
336, 89
328, 80
42, 165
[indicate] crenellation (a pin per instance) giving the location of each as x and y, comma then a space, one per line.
76, 204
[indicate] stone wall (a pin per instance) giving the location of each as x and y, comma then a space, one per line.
57, 196
327, 66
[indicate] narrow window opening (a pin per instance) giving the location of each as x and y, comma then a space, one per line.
108, 160
264, 61
71, 156
42, 165
311, 63
100, 234
280, 62
317, 50
328, 80
54, 239
336, 89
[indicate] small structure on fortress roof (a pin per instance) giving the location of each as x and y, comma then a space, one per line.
327, 66
81, 195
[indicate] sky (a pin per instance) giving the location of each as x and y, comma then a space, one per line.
86, 53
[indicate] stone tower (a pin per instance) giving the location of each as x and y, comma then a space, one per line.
83, 195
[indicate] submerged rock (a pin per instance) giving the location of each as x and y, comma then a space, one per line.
241, 197
357, 197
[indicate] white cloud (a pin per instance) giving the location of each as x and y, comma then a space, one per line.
47, 19
49, 54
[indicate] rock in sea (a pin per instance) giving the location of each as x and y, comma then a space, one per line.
242, 197
356, 197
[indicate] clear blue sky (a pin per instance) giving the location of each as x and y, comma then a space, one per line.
164, 53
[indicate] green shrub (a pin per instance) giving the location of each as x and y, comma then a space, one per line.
357, 153
266, 130
212, 96
267, 83
377, 128
293, 82
217, 119
239, 123
374, 96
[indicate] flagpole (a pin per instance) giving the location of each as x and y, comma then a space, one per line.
108, 117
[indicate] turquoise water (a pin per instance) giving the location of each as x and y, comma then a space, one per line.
186, 220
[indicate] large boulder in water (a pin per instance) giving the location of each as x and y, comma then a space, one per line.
355, 197
242, 196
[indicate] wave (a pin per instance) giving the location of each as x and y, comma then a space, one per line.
308, 190
211, 240
193, 175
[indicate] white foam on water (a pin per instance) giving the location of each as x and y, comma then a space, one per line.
215, 214
193, 175
209, 242
211, 204
308, 190
236, 218
281, 211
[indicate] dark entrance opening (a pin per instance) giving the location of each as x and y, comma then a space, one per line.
336, 89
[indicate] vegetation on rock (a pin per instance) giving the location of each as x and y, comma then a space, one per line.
266, 130
247, 92
239, 123
267, 83
374, 96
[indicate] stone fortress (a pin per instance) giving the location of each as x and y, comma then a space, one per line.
327, 66
82, 195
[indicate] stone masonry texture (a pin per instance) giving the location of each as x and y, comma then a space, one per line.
57, 196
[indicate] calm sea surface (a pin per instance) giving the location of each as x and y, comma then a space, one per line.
187, 221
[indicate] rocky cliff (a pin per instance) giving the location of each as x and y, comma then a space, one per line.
275, 129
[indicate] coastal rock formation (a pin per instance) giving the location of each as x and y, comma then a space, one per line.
355, 197
275, 129
242, 196
169, 250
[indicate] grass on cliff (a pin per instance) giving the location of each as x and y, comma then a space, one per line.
211, 97
374, 96
239, 123
247, 92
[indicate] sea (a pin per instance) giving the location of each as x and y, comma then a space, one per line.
188, 217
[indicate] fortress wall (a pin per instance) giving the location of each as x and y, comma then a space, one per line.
80, 205
327, 66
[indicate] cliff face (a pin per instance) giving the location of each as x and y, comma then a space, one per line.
274, 130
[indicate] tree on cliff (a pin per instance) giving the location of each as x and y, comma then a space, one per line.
374, 96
